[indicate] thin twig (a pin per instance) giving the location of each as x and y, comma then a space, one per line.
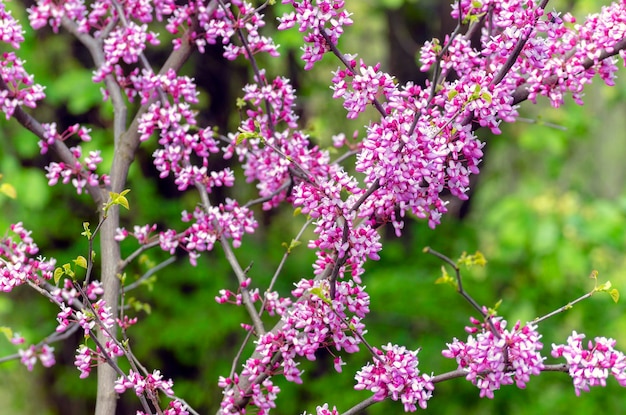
149, 273
461, 291
123, 264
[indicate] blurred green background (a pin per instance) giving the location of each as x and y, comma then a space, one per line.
548, 208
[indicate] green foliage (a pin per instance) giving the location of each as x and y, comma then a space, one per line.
116, 199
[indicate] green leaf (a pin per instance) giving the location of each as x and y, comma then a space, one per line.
494, 311
446, 279
117, 199
614, 295
245, 136
293, 245
86, 231
67, 270
80, 261
470, 260
7, 332
58, 273
8, 190
318, 292
121, 200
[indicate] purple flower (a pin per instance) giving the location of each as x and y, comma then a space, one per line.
313, 18
394, 374
495, 359
591, 365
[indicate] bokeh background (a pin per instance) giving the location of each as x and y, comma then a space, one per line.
548, 208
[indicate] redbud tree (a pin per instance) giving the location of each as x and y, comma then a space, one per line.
417, 152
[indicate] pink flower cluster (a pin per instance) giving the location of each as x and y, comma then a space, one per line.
323, 202
316, 18
175, 407
422, 146
551, 62
361, 87
310, 323
323, 410
87, 358
20, 88
68, 292
147, 84
262, 395
140, 233
17, 87
83, 360
228, 220
124, 43
395, 374
272, 156
151, 383
88, 321
227, 296
79, 174
70, 299
591, 366
223, 21
51, 135
501, 357
44, 353
49, 12
11, 31
17, 265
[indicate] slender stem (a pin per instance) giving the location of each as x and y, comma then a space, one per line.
562, 309
461, 291
123, 264
282, 263
149, 273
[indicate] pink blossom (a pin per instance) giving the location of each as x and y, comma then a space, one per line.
44, 353
176, 407
11, 31
83, 360
63, 317
17, 262
17, 338
501, 358
323, 410
126, 44
315, 18
28, 357
20, 90
591, 365
362, 86
152, 382
395, 374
